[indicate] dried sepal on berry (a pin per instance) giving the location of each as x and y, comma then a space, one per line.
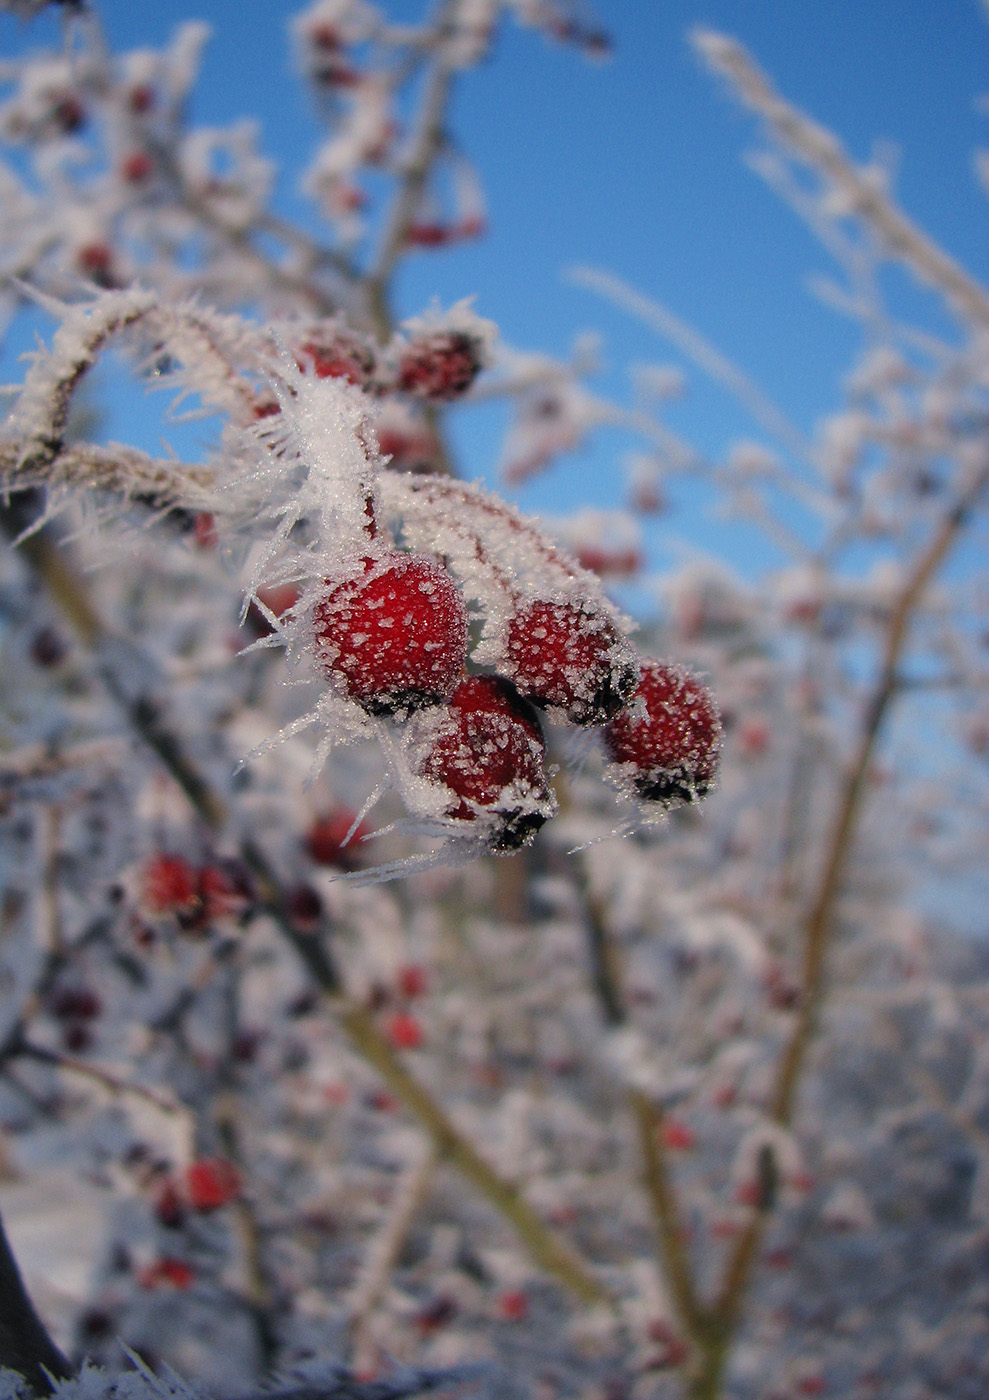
483, 759
667, 740
567, 653
394, 634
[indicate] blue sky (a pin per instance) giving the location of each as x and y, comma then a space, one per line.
635, 165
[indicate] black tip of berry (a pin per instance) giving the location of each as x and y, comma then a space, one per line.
517, 829
673, 787
401, 703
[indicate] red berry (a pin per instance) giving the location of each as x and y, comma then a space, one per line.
173, 1271
211, 1182
169, 885
279, 599
669, 735
338, 353
325, 838
678, 1136
141, 99
404, 1031
427, 235
514, 1305
440, 366
412, 980
570, 655
396, 637
95, 260
224, 891
488, 751
136, 167
204, 530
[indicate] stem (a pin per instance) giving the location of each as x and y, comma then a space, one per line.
426, 145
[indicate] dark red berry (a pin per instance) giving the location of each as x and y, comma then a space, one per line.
325, 839
69, 114
175, 1272
141, 99
169, 885
440, 366
279, 599
211, 1182
668, 736
75, 1004
572, 656
303, 908
337, 353
487, 750
136, 167
427, 235
169, 1205
396, 636
404, 1031
95, 260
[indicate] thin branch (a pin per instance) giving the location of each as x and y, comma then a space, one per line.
818, 921
822, 152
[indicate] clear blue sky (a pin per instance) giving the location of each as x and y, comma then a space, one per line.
635, 165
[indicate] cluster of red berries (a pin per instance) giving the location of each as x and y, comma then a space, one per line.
195, 896
435, 365
394, 637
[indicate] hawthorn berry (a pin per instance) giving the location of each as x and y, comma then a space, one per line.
486, 749
169, 885
669, 735
404, 1031
441, 365
395, 636
325, 839
337, 353
211, 1182
570, 655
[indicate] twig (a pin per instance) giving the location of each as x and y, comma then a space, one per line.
822, 152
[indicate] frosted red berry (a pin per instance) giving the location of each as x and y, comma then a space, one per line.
570, 655
487, 750
394, 636
338, 353
668, 736
440, 366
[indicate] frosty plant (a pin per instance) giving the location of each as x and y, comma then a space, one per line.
317, 653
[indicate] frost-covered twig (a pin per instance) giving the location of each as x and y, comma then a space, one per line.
117, 470
821, 151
